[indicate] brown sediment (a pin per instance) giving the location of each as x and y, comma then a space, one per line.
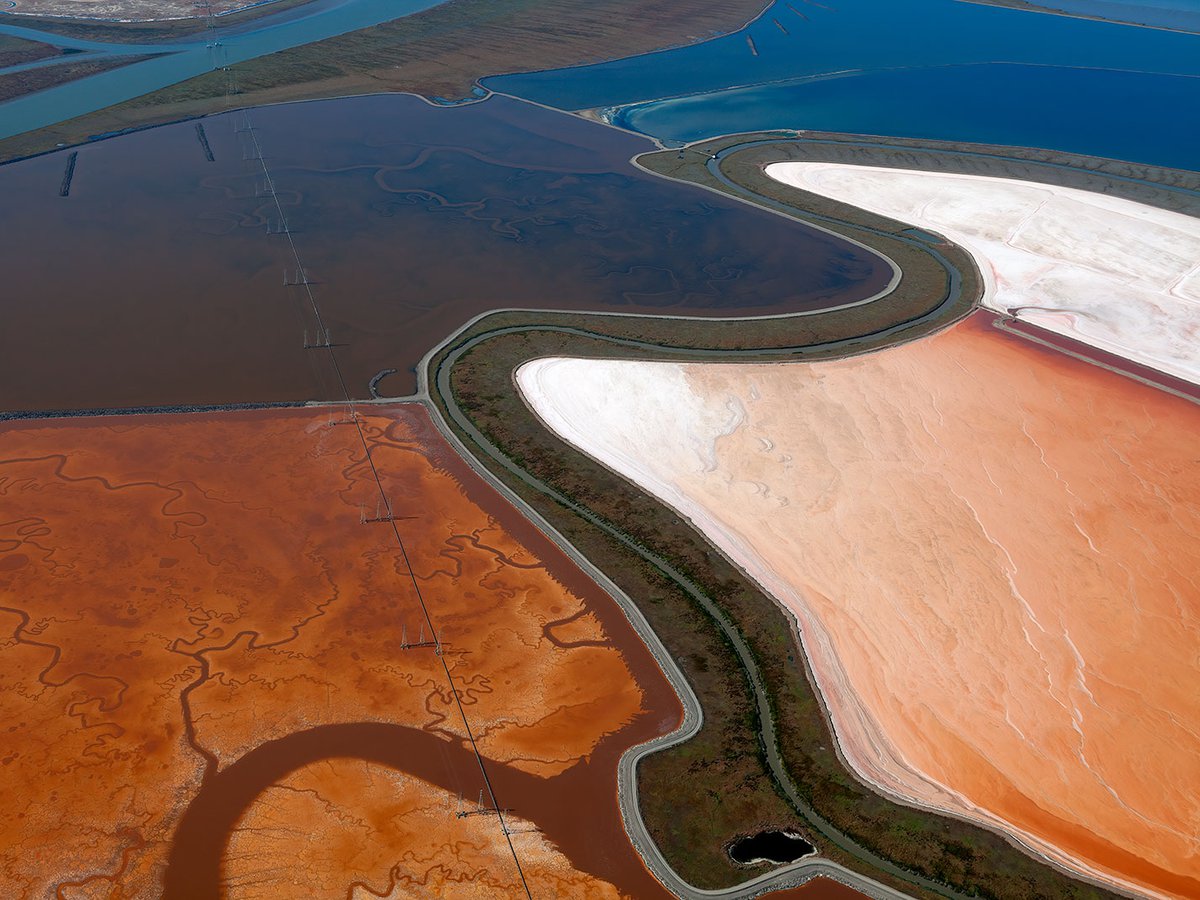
376, 787
990, 549
362, 809
125, 10
190, 598
153, 31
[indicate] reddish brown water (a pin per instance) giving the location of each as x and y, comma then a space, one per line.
196, 614
155, 282
578, 826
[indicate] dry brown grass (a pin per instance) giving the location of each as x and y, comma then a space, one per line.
439, 53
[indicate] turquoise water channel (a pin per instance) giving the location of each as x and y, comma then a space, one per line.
181, 59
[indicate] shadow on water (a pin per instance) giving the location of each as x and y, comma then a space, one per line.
160, 279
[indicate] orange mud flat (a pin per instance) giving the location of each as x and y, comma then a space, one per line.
216, 679
992, 553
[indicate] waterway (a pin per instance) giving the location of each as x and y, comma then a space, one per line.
594, 842
937, 69
961, 72
179, 59
162, 278
159, 279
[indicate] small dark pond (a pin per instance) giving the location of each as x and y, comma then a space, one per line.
772, 846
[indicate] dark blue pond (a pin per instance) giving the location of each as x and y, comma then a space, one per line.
945, 103
938, 69
162, 278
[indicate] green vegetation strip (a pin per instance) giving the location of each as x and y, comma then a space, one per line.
765, 754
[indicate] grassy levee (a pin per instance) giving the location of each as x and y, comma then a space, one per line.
1177, 190
699, 795
15, 50
438, 53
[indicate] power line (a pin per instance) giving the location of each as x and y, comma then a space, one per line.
324, 343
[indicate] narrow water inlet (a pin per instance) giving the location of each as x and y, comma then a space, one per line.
770, 846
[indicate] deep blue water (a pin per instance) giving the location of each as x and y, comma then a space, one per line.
937, 69
1121, 115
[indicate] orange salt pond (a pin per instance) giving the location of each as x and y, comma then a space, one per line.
209, 683
992, 553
